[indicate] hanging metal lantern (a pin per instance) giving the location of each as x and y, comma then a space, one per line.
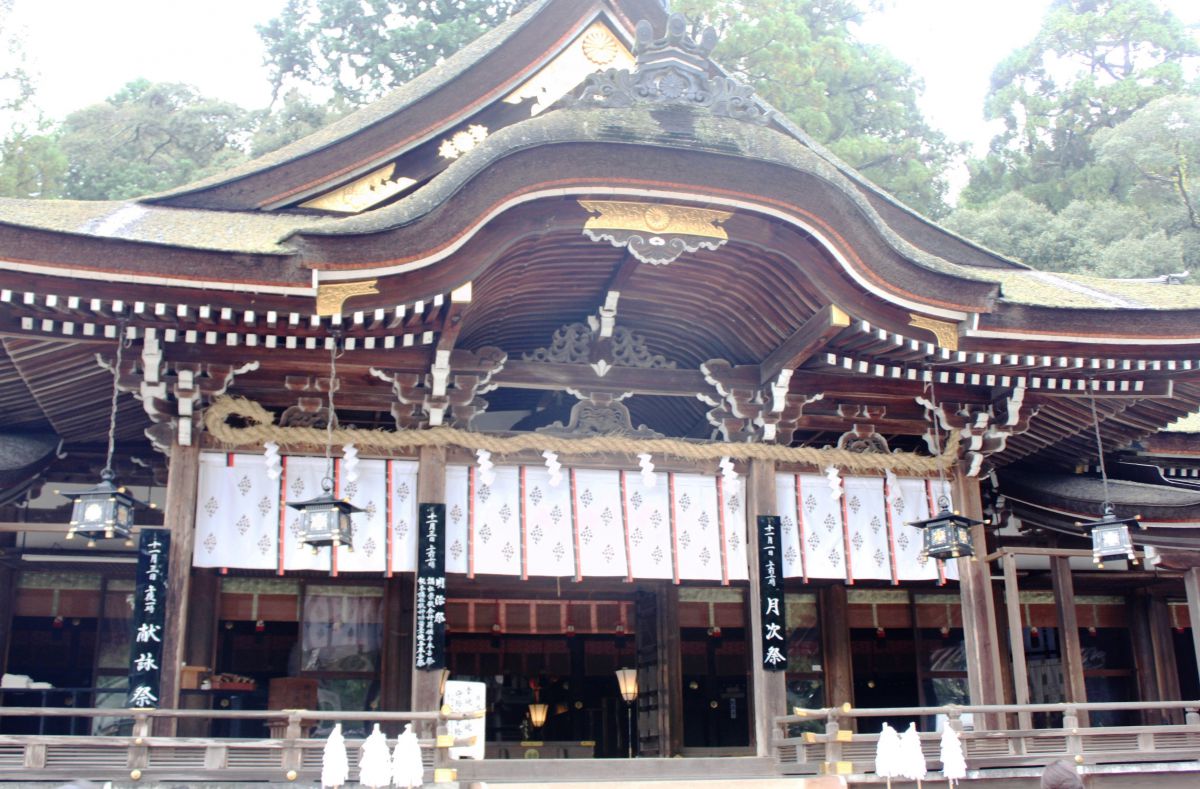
325, 521
1110, 536
104, 511
947, 535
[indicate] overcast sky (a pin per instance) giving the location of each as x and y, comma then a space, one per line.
85, 50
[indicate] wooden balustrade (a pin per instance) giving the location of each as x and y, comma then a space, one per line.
141, 756
837, 750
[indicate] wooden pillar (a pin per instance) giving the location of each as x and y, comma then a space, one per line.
978, 609
431, 489
672, 669
8, 600
1166, 671
395, 680
200, 644
768, 688
1016, 638
835, 637
1191, 583
183, 477
1138, 616
1068, 633
1007, 688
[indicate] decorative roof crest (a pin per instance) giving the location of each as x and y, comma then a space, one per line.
673, 70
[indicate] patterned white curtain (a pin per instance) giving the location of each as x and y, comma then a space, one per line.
592, 523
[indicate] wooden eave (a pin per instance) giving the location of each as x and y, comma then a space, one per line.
469, 85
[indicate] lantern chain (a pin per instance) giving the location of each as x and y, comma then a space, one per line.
327, 483
943, 501
1099, 446
107, 473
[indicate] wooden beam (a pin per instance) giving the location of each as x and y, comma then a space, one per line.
812, 336
556, 376
686, 383
768, 688
1016, 639
1069, 647
183, 477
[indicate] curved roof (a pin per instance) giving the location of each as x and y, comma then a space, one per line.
226, 268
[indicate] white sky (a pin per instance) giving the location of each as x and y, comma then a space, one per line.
85, 50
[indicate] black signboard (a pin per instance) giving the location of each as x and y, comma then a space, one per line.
770, 592
430, 643
149, 619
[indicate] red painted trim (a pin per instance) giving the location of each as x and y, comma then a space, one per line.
625, 528
721, 528
674, 534
521, 512
575, 527
337, 494
389, 514
283, 464
470, 521
229, 460
800, 530
891, 534
846, 537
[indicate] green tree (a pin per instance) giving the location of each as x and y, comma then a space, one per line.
1092, 65
360, 49
1101, 237
31, 164
855, 98
1156, 153
149, 137
16, 83
294, 118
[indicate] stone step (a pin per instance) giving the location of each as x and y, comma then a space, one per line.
625, 772
826, 782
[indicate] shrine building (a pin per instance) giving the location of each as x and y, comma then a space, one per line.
573, 355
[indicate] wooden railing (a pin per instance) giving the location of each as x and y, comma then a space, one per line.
141, 756
838, 749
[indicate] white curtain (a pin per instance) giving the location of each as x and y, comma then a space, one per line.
237, 513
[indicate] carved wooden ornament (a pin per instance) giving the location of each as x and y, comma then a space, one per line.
656, 233
945, 332
331, 296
